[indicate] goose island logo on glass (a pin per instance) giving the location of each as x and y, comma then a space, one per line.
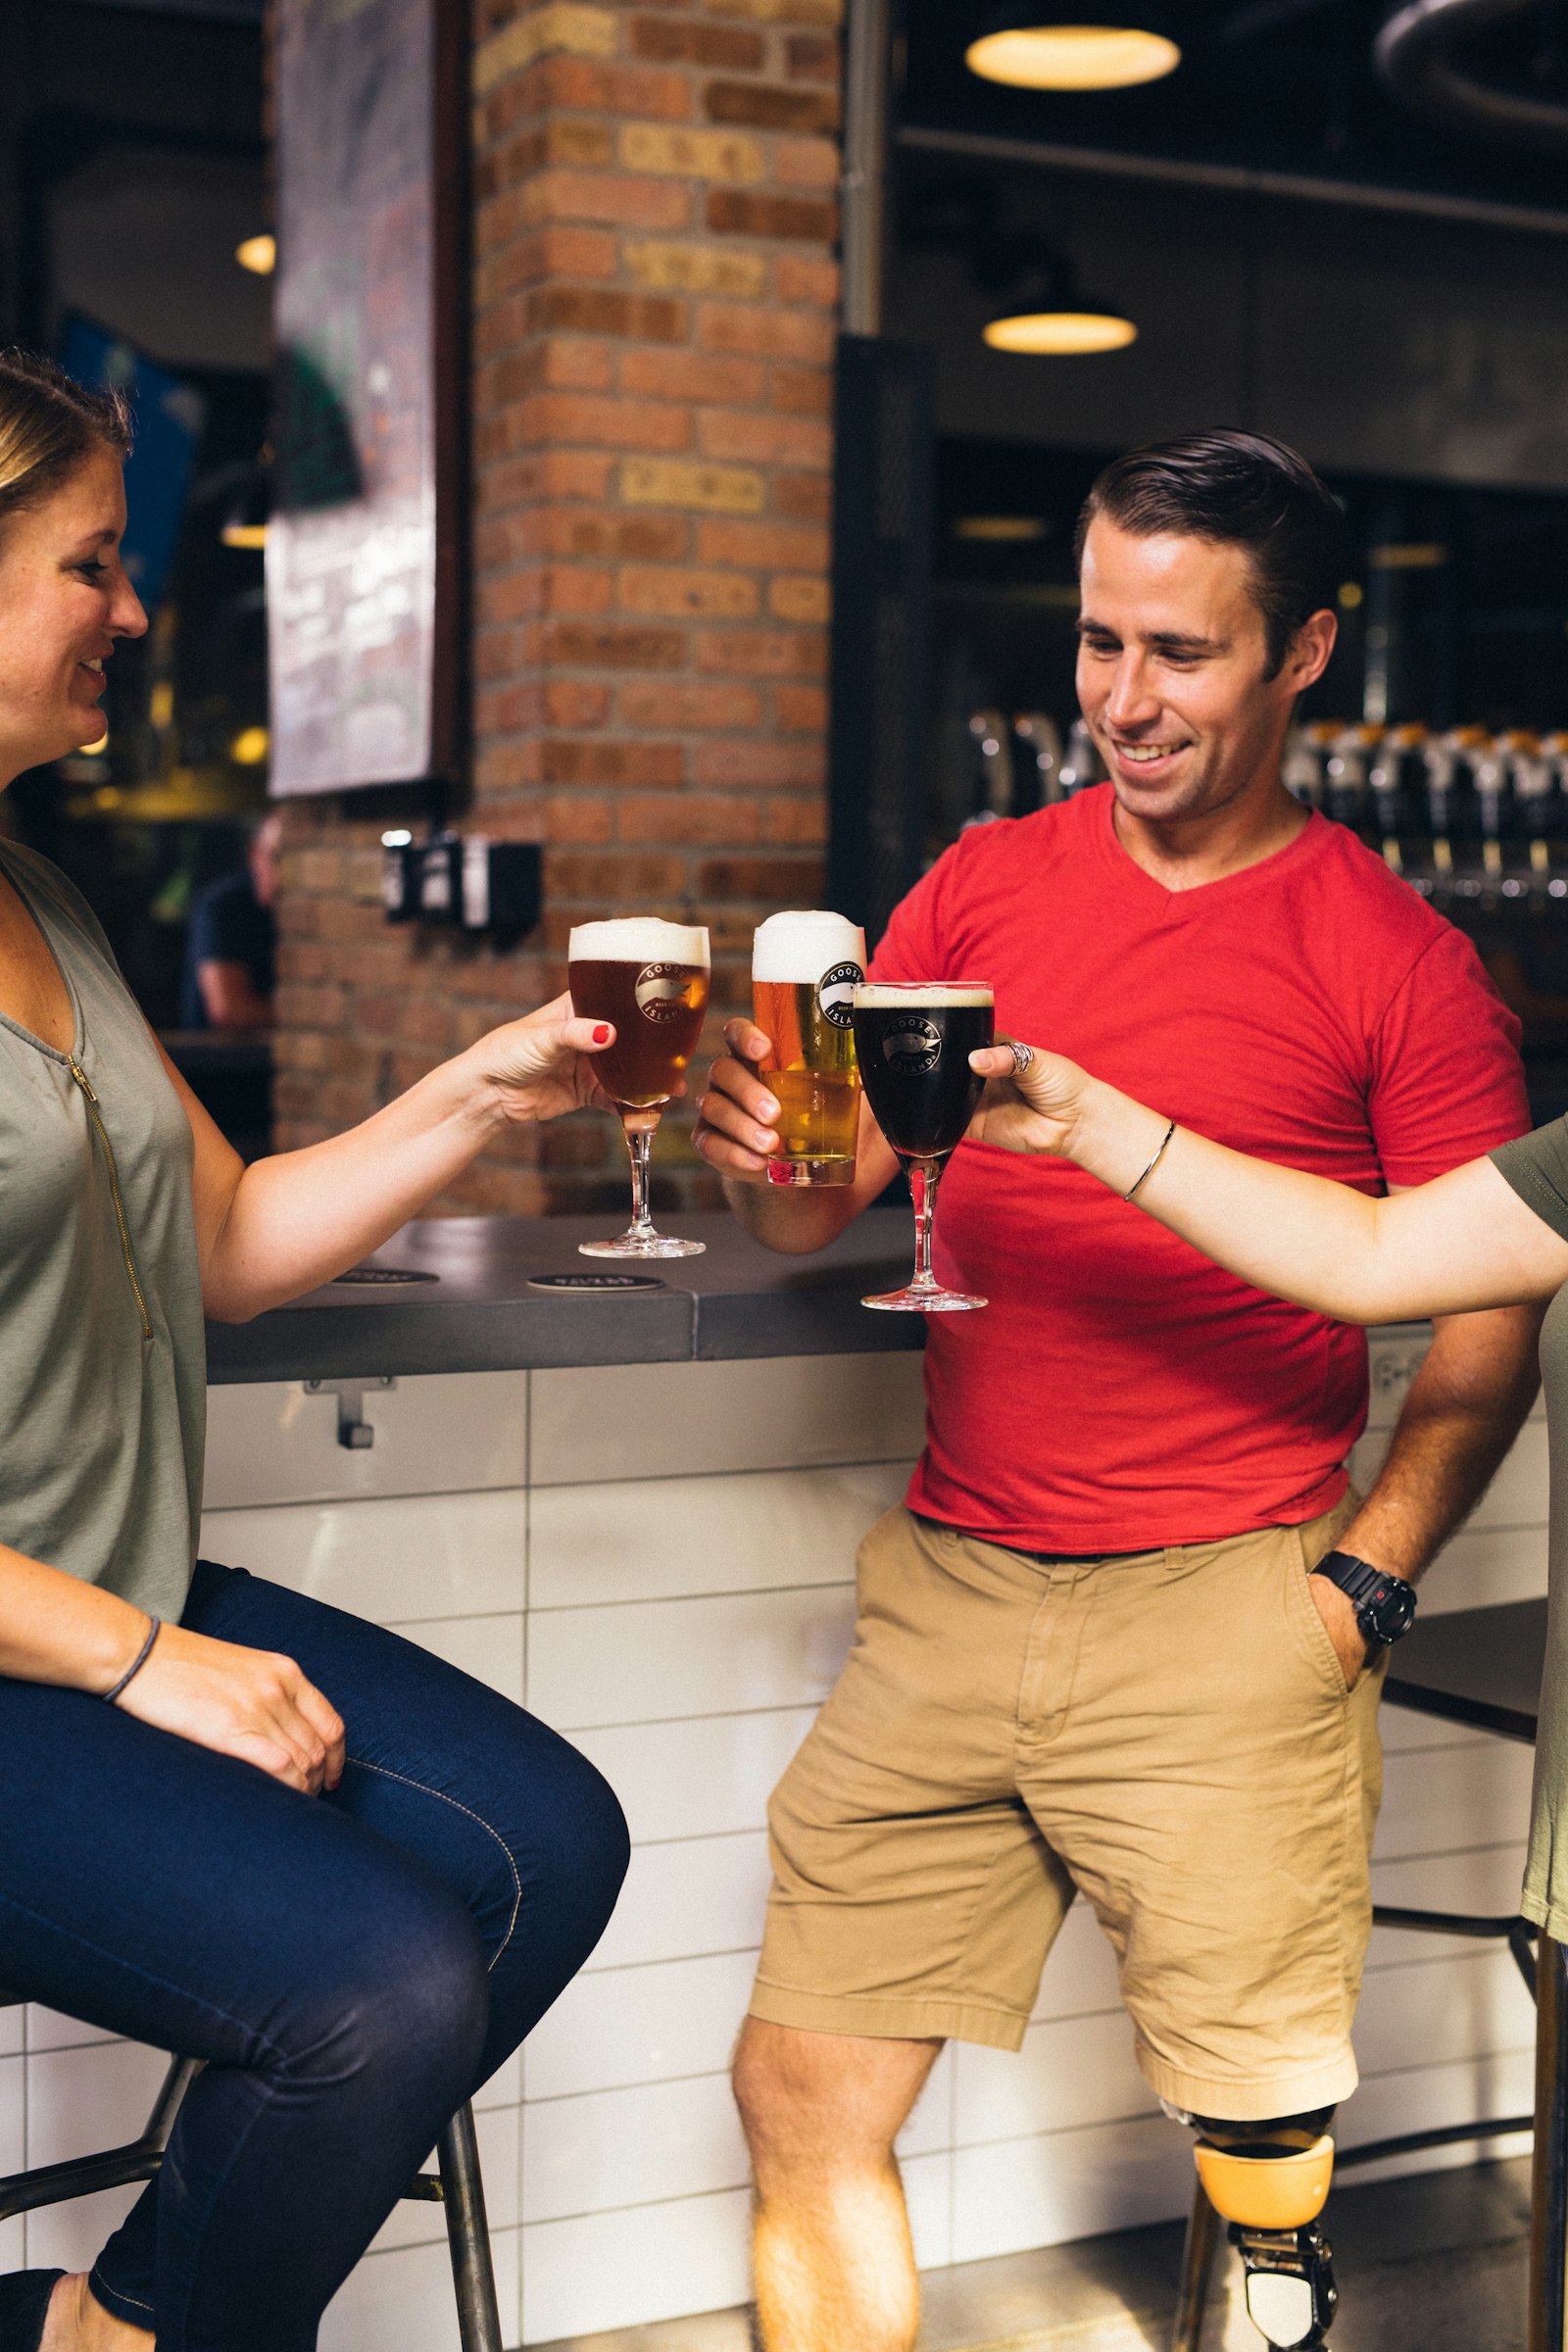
806, 968
914, 1040
650, 978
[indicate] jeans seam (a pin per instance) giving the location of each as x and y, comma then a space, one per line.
117, 2293
488, 1826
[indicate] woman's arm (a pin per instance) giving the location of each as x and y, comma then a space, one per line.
1465, 1240
268, 1232
240, 1702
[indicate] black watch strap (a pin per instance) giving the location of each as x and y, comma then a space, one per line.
1384, 1604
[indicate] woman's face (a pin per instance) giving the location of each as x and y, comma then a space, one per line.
64, 600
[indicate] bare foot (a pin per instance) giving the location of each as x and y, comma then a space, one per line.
76, 2322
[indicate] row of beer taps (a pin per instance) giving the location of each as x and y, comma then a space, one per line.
1462, 813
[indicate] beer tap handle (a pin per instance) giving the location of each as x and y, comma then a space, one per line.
1037, 740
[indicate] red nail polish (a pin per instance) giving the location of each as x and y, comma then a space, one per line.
601, 1034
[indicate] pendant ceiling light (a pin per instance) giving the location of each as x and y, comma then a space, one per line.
1098, 49
1047, 314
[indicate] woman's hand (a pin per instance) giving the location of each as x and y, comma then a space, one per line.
1035, 1109
540, 1066
248, 1703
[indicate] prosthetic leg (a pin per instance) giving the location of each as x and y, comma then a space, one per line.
1269, 2180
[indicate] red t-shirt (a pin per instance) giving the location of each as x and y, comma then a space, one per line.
1120, 1391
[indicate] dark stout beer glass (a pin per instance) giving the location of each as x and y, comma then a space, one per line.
650, 979
806, 968
914, 1045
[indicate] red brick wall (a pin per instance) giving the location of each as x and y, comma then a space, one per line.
653, 312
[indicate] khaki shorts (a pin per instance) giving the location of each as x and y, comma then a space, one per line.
1167, 1734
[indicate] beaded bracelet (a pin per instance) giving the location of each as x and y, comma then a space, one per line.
155, 1626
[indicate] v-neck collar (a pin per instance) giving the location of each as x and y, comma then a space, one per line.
78, 1029
1180, 906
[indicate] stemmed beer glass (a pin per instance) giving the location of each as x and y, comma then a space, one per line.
650, 979
913, 1045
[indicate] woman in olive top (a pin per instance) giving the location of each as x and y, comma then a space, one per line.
237, 1824
1491, 1234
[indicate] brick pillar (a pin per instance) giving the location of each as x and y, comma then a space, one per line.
653, 312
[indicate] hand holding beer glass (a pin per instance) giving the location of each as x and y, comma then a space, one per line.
914, 1045
804, 970
650, 979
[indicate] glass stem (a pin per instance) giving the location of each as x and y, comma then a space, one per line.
640, 1144
923, 1175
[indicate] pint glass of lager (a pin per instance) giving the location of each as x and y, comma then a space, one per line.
804, 972
914, 1045
650, 979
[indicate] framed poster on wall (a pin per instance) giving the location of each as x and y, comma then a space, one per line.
365, 546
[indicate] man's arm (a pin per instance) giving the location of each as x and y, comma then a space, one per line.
1466, 1405
735, 1135
231, 996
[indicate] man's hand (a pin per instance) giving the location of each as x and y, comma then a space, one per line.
1337, 1612
735, 1130
248, 1703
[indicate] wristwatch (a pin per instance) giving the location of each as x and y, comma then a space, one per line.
1384, 1604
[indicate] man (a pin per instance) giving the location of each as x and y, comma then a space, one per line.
1091, 1654
231, 945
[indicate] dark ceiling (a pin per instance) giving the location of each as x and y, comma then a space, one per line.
1265, 85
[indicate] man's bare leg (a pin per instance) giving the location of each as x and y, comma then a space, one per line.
835, 2268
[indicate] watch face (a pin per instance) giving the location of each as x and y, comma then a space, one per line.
1390, 1610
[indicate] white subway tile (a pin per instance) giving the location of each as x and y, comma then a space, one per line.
13, 2115
928, 2194
634, 2267
1406, 1728
1433, 2011
83, 2099
417, 1557
1063, 2184
1485, 1881
52, 2029
618, 1421
71, 2237
1072, 2072
1484, 1566
13, 2033
639, 1661
489, 1648
930, 2125
639, 2024
1080, 1973
1424, 2098
404, 2301
697, 1895
651, 1539
695, 1778
420, 2222
505, 2087
1448, 1797
610, 2148
436, 1433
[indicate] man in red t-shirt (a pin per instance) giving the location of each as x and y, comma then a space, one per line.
1093, 1653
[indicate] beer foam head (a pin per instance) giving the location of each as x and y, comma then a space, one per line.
883, 995
801, 947
639, 939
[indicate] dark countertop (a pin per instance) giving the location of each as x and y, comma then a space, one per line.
479, 1315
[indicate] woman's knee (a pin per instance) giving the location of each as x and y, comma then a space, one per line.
585, 1848
404, 1993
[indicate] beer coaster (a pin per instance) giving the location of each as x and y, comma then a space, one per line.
588, 1283
382, 1277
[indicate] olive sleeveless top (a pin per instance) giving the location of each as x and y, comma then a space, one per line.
103, 1385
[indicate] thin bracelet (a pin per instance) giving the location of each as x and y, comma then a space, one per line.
1128, 1196
155, 1626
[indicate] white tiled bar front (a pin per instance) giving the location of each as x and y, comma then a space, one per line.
658, 1558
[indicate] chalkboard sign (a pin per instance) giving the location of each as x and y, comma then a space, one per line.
364, 547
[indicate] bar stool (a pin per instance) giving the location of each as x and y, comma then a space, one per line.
458, 2186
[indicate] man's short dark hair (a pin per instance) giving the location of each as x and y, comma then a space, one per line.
1235, 490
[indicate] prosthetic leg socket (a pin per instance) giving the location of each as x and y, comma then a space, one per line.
1271, 2194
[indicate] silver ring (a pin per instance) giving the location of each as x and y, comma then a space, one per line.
1022, 1056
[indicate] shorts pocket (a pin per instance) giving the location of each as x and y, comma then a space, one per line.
1311, 1633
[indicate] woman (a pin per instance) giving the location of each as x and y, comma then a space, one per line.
237, 1824
1491, 1233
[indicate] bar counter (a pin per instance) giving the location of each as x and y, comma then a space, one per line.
637, 1514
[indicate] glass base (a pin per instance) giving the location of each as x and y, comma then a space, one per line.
918, 1299
810, 1171
632, 1244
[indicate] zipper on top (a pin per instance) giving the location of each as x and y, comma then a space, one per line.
96, 1116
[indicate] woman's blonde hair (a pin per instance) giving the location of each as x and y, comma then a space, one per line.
49, 424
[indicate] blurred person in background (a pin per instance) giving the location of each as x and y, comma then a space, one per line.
231, 944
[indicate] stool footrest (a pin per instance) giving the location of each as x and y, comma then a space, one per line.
78, 2176
427, 2186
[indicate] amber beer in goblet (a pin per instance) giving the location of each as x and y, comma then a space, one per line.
650, 979
804, 970
914, 1045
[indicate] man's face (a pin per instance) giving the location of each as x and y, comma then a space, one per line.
1171, 662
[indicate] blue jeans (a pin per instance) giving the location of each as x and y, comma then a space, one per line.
351, 1966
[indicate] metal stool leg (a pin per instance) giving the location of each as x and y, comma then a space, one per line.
1549, 2200
1198, 2262
473, 2275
